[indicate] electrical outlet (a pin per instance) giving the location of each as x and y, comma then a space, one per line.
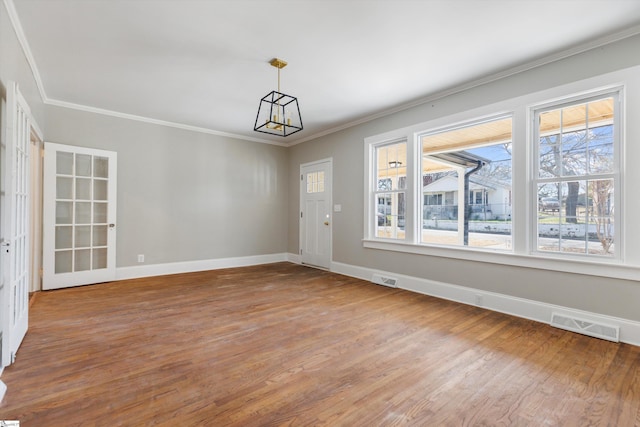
141, 258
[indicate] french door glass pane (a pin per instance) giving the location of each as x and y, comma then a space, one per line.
64, 188
83, 165
64, 163
83, 189
63, 262
99, 258
99, 189
81, 212
101, 167
100, 235
64, 237
99, 213
63, 212
82, 261
83, 236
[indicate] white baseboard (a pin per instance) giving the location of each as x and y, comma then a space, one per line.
520, 307
294, 258
138, 271
3, 390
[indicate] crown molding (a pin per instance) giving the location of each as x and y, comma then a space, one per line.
26, 49
17, 28
547, 59
562, 54
143, 119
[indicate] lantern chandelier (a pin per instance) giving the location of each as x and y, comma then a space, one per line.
278, 113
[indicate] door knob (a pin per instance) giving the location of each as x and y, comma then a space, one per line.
326, 223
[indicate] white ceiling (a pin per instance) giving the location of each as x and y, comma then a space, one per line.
204, 64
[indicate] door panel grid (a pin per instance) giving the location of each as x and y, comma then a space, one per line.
79, 216
19, 259
16, 225
81, 230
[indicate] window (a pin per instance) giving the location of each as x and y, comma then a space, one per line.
433, 199
315, 182
471, 167
390, 190
576, 177
539, 180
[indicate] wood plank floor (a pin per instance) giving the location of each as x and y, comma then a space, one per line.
283, 344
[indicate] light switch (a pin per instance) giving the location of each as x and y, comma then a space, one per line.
337, 208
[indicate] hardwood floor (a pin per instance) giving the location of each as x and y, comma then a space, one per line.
283, 344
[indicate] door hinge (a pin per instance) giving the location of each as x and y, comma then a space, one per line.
300, 251
300, 214
301, 177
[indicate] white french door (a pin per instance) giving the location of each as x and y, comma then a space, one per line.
15, 224
79, 204
315, 213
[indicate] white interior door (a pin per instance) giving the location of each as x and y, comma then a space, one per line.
15, 224
315, 213
79, 203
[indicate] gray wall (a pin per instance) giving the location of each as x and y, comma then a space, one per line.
14, 66
183, 195
595, 294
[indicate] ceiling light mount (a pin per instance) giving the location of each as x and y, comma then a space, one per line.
278, 63
278, 113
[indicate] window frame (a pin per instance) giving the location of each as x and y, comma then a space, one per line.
372, 196
626, 264
617, 93
469, 123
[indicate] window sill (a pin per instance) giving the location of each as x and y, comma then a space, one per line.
605, 268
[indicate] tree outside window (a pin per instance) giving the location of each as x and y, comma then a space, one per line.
576, 173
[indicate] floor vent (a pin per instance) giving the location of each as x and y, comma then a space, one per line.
379, 279
586, 327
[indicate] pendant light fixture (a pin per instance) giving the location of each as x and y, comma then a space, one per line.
278, 113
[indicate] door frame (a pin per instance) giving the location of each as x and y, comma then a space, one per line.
37, 163
302, 191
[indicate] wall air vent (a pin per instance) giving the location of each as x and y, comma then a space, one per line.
586, 327
379, 279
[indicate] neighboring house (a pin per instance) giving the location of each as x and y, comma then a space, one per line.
489, 198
